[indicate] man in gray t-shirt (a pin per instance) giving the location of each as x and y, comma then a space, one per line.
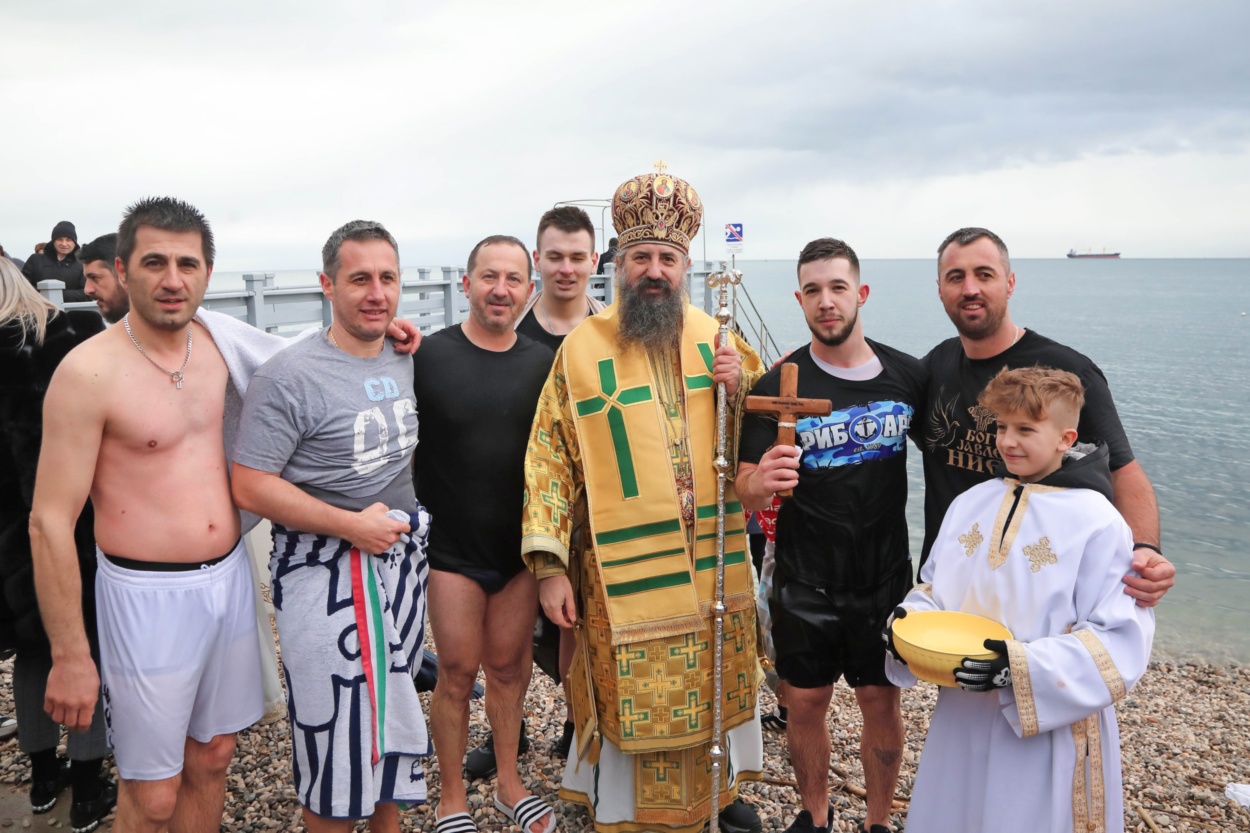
325, 452
339, 426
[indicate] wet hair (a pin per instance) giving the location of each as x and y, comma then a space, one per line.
502, 238
828, 248
970, 235
1039, 392
358, 230
102, 248
21, 302
568, 219
166, 214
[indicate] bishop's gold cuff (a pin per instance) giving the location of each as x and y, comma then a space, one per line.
544, 565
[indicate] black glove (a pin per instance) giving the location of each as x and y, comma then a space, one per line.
887, 635
985, 674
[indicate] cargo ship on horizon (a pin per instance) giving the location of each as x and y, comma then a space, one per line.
1073, 253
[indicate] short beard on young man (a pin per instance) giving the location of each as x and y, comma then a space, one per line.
652, 322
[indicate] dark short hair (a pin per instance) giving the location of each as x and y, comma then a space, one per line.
102, 248
491, 241
828, 248
612, 241
166, 214
358, 230
568, 219
971, 234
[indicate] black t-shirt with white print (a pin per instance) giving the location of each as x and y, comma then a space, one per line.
845, 527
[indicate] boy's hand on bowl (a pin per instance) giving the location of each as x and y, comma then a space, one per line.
985, 674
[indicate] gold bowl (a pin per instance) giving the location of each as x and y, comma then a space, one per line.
933, 642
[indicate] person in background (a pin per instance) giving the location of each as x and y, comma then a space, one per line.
57, 262
609, 255
17, 261
100, 277
34, 337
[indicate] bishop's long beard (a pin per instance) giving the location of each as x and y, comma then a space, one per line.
651, 321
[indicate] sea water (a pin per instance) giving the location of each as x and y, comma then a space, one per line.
1170, 336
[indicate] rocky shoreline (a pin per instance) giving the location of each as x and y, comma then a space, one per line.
1183, 731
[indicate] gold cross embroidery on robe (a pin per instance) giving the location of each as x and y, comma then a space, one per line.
971, 539
1040, 554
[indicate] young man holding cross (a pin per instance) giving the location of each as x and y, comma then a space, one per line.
842, 552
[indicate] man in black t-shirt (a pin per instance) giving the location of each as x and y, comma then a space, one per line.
477, 385
842, 560
975, 282
565, 259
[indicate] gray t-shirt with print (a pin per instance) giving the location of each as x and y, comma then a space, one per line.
342, 428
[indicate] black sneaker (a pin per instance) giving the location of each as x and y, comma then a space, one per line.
561, 747
876, 828
480, 762
741, 817
804, 823
43, 793
85, 816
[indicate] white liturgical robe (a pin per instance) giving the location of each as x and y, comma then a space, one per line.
1042, 755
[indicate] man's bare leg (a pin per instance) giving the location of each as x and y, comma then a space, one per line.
146, 806
457, 608
202, 793
508, 662
385, 819
807, 736
880, 748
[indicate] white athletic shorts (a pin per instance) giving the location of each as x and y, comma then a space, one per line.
179, 658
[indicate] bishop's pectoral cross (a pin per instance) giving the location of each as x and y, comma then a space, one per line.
788, 408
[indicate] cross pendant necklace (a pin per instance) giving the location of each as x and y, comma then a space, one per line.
175, 376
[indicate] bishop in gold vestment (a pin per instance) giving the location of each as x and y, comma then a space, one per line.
620, 529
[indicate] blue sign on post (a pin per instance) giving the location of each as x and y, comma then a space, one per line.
733, 238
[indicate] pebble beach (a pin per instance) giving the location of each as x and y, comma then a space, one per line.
1183, 732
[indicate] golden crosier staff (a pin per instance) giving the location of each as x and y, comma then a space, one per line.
721, 280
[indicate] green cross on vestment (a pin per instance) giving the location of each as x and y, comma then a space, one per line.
558, 505
614, 402
693, 711
702, 380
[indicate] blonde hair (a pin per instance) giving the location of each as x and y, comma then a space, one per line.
21, 302
1040, 392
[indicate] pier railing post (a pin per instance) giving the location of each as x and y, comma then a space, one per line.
450, 275
255, 286
54, 291
609, 283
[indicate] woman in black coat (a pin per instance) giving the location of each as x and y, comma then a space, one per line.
34, 337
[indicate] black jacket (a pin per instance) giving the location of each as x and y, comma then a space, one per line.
1085, 466
46, 266
24, 376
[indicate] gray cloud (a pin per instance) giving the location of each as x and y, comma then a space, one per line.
452, 120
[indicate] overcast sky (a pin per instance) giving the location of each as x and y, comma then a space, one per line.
1123, 125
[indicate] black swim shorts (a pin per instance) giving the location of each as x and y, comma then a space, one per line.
823, 633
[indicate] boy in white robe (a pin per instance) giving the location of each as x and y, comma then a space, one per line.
1029, 740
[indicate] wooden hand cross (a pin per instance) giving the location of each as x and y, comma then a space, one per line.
788, 408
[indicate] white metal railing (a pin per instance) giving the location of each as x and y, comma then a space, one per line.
433, 300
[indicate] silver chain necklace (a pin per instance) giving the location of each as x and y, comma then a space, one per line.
174, 375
